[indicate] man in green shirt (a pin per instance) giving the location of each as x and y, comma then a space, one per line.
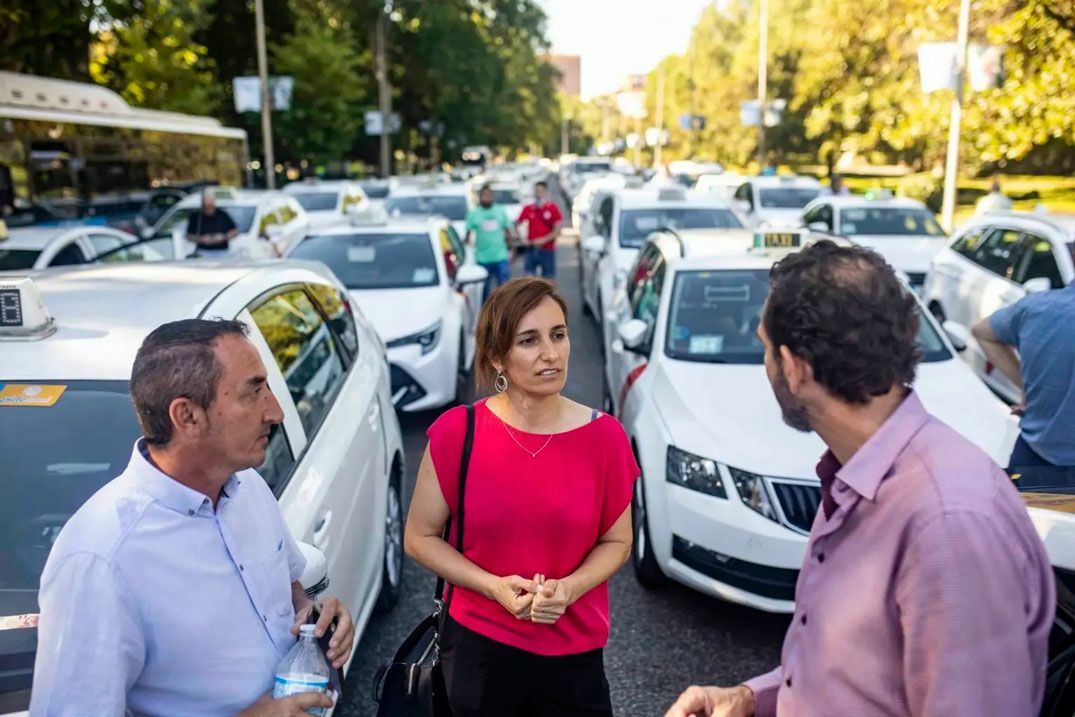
491, 229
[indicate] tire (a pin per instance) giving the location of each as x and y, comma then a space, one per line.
392, 563
647, 571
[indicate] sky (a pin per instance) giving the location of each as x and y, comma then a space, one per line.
616, 38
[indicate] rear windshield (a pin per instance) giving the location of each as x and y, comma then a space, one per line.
787, 197
242, 215
506, 196
17, 259
893, 221
374, 261
714, 318
375, 190
451, 208
317, 201
637, 224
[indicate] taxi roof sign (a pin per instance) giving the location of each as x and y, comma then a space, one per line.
778, 239
23, 314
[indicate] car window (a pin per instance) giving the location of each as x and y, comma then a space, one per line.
506, 196
164, 201
279, 460
890, 221
54, 459
268, 219
17, 259
70, 255
106, 242
744, 194
337, 309
998, 252
304, 351
453, 208
821, 213
318, 201
603, 221
714, 317
787, 197
452, 258
375, 190
154, 249
1036, 261
374, 261
646, 292
637, 224
967, 244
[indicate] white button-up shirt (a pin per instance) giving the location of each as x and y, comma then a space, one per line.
153, 602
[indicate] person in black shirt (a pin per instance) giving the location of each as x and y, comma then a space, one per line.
210, 228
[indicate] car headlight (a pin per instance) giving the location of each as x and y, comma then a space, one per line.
427, 339
753, 492
694, 472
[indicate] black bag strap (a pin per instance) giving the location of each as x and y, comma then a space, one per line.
464, 468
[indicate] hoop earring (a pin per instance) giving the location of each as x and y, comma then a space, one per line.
501, 383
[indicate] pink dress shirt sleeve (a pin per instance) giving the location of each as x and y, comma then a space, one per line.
765, 688
962, 591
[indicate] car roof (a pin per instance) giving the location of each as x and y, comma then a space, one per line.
119, 304
783, 180
242, 197
318, 186
403, 224
690, 249
37, 238
861, 200
444, 190
1062, 222
643, 198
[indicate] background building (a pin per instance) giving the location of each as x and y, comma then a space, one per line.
570, 82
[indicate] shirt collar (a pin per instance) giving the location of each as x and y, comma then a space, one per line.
168, 491
871, 463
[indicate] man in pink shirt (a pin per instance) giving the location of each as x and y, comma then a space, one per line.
925, 589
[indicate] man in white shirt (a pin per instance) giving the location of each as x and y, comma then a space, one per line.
173, 591
995, 201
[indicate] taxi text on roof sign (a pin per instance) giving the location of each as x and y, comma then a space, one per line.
34, 395
22, 311
766, 239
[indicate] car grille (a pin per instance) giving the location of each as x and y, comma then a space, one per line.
798, 501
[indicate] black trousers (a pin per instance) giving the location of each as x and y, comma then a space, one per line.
485, 678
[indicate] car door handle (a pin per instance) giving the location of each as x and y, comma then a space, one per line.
321, 531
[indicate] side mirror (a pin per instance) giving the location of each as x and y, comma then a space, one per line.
470, 274
957, 333
1037, 285
820, 227
743, 205
594, 244
314, 578
632, 333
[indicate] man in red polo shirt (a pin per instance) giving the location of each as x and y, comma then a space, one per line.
543, 220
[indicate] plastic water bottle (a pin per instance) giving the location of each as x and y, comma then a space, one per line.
303, 669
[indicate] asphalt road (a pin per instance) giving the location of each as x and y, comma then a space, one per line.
662, 641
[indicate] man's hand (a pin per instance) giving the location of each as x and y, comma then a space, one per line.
515, 594
343, 634
714, 702
294, 706
550, 601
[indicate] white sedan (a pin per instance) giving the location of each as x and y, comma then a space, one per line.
423, 199
776, 201
728, 491
50, 247
410, 278
336, 463
328, 201
903, 231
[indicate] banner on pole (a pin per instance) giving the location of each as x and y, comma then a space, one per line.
247, 92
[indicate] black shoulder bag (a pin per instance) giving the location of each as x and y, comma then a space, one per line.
411, 683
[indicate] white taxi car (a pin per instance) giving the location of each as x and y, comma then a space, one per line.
992, 261
582, 205
903, 231
728, 491
410, 278
268, 221
327, 201
44, 247
67, 425
451, 201
623, 219
776, 201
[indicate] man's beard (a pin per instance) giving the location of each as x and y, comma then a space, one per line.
792, 410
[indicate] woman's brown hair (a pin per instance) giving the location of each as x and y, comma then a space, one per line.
499, 320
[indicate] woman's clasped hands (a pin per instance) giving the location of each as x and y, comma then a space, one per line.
538, 600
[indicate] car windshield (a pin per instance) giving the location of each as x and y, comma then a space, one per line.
787, 197
374, 261
375, 190
506, 196
589, 167
637, 224
714, 318
18, 259
449, 207
317, 201
55, 457
902, 221
242, 215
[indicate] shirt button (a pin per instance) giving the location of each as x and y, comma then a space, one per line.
241, 568
788, 682
821, 557
803, 620
190, 512
264, 619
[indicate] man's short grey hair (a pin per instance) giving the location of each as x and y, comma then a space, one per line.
175, 361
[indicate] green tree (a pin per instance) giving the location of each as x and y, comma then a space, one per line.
46, 38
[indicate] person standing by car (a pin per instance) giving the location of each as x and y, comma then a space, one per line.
836, 187
1041, 328
488, 223
925, 589
174, 591
995, 201
211, 229
546, 523
543, 220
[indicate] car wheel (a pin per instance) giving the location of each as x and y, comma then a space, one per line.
647, 571
392, 570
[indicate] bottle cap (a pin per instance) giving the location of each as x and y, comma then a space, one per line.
307, 630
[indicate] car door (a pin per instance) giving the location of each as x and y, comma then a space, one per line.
998, 254
331, 497
70, 253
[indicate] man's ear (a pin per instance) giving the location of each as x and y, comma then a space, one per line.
188, 418
797, 371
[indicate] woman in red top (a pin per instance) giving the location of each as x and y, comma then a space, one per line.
546, 522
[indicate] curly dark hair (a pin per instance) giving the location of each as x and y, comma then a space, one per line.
844, 310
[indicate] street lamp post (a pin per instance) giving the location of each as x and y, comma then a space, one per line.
266, 104
951, 164
660, 121
384, 92
763, 68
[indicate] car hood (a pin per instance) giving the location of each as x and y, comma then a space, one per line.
728, 413
906, 253
17, 646
396, 313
